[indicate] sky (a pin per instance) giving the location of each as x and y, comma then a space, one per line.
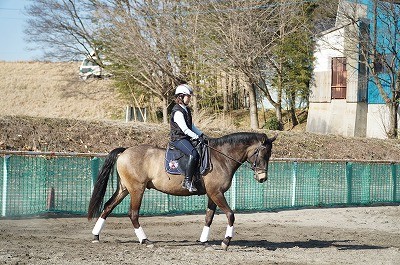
12, 24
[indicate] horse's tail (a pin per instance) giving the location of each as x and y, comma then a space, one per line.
99, 189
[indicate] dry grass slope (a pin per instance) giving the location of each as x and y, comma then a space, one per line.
52, 90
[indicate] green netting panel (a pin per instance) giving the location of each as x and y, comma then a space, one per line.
332, 183
26, 186
245, 192
184, 204
372, 183
2, 161
360, 183
70, 178
381, 185
278, 188
306, 184
396, 182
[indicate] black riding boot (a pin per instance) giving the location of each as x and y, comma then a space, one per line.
190, 171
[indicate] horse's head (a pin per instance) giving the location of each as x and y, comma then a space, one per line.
260, 158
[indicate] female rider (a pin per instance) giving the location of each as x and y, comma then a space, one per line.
183, 130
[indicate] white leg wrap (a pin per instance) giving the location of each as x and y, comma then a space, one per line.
229, 231
140, 234
98, 226
204, 234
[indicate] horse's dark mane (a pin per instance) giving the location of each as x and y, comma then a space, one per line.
237, 138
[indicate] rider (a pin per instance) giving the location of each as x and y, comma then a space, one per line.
183, 130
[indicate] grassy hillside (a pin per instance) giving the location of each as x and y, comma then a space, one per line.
51, 90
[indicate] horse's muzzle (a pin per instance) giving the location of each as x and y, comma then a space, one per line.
261, 177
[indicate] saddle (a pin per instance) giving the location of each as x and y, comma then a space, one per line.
176, 161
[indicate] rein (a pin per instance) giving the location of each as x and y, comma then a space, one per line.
254, 164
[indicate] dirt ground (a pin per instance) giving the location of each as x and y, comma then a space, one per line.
363, 235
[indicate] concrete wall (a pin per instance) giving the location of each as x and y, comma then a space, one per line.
338, 117
378, 121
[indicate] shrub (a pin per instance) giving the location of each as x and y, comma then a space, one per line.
272, 124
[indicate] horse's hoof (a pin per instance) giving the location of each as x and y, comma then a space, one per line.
96, 239
225, 243
147, 242
205, 244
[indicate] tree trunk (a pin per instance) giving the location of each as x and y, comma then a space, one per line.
393, 132
253, 107
278, 113
278, 105
165, 110
292, 108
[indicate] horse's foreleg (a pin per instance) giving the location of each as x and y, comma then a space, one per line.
209, 218
220, 201
136, 201
117, 197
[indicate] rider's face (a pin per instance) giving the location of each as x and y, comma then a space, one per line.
186, 99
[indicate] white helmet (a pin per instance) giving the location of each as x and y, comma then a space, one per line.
184, 89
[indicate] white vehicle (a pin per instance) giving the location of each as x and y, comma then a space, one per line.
89, 68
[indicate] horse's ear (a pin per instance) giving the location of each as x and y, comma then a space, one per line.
270, 140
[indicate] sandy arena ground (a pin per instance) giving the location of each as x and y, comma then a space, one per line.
359, 235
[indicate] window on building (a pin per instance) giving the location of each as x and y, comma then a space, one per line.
382, 63
339, 78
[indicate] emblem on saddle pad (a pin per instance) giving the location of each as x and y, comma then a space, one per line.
173, 164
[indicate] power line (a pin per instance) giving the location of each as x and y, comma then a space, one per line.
15, 18
10, 9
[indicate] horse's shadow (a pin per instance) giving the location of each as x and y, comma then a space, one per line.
309, 244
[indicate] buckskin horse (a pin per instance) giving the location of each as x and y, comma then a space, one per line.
142, 167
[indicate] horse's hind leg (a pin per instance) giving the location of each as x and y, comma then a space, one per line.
116, 198
209, 218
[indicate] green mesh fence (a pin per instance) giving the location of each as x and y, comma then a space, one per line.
39, 184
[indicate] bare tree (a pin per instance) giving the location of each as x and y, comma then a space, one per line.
64, 29
153, 42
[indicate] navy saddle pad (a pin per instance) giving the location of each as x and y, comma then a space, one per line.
176, 161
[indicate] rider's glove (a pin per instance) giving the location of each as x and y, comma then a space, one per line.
202, 139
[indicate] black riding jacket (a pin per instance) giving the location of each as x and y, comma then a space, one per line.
176, 133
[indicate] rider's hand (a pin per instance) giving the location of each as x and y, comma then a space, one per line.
202, 139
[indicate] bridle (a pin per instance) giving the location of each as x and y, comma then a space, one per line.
253, 166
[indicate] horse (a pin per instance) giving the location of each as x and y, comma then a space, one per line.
142, 167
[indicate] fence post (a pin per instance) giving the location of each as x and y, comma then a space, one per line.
50, 199
6, 162
294, 180
349, 178
95, 170
233, 192
394, 180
